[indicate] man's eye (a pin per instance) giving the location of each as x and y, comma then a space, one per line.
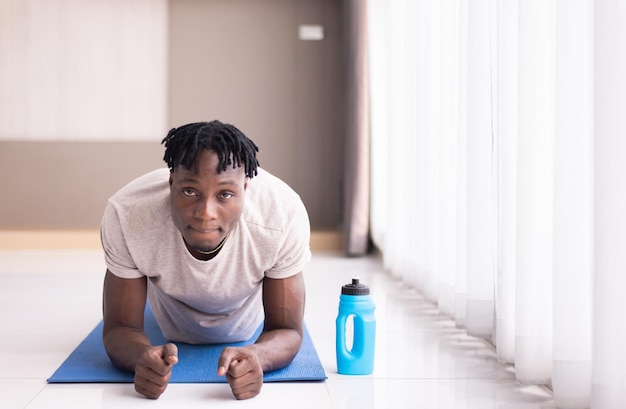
189, 192
227, 195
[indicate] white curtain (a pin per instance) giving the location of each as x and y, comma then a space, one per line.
535, 127
498, 159
609, 334
479, 145
83, 70
573, 204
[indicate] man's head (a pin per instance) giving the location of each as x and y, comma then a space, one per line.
210, 164
183, 146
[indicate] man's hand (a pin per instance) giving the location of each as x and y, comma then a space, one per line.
243, 371
154, 370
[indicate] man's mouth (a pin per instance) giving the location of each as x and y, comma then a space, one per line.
205, 230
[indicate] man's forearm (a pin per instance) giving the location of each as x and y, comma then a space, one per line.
277, 348
124, 345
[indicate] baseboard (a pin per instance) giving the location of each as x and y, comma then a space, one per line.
90, 240
326, 240
49, 239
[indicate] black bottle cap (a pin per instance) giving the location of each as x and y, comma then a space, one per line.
355, 288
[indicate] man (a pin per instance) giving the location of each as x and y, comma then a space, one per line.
217, 245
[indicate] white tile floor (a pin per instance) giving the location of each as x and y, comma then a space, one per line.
50, 300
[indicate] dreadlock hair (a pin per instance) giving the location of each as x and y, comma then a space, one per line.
183, 146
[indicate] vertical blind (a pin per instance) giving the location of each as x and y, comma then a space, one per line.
83, 70
498, 163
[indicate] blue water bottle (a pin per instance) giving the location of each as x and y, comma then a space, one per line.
355, 301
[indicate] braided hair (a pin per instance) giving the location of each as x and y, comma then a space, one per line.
184, 144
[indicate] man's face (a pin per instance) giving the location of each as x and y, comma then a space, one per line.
206, 205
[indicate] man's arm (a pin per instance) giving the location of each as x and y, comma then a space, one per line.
281, 338
278, 344
128, 347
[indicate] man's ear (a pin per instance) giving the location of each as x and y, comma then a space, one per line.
171, 178
245, 183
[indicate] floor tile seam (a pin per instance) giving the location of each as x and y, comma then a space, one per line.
36, 396
43, 386
24, 378
484, 343
329, 393
426, 378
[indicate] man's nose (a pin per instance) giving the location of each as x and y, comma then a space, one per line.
207, 210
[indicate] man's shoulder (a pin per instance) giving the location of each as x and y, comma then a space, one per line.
271, 202
143, 197
149, 184
268, 186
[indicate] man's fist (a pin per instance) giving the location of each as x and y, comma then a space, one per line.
243, 371
154, 370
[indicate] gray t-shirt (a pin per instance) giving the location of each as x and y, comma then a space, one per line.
212, 301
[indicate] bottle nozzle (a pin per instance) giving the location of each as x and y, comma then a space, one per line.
355, 288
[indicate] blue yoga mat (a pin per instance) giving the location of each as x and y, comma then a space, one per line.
89, 363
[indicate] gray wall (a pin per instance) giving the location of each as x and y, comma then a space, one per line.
239, 61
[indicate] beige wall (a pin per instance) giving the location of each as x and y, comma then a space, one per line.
65, 185
239, 61
242, 62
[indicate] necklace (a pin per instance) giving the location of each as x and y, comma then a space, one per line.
215, 250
